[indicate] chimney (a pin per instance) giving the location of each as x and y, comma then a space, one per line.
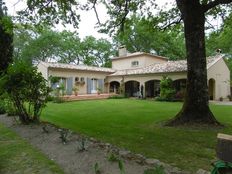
122, 51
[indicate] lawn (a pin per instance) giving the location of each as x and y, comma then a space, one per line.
137, 125
17, 156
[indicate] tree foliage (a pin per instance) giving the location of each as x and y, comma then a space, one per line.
27, 89
6, 39
65, 47
167, 90
142, 34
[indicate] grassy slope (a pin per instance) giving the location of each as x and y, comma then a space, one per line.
137, 125
17, 156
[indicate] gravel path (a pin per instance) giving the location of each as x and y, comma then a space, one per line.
72, 160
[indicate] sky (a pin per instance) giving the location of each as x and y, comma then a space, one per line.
88, 18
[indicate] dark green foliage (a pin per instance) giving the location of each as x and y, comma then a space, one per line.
167, 91
117, 97
9, 107
50, 98
2, 107
6, 40
64, 135
121, 167
112, 157
141, 35
27, 89
97, 169
54, 79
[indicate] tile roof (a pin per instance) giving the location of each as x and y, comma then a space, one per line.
135, 54
169, 66
76, 67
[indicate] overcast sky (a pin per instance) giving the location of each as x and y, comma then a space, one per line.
88, 19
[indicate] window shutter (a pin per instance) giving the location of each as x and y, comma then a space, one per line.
69, 85
89, 86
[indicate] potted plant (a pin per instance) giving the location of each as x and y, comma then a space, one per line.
99, 91
75, 90
221, 99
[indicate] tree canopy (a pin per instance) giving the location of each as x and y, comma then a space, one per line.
6, 38
65, 47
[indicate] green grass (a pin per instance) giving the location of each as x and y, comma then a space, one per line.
137, 126
17, 156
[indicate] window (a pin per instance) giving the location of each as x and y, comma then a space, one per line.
134, 63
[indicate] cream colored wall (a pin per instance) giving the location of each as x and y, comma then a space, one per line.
150, 60
144, 60
146, 77
43, 69
125, 63
76, 73
221, 74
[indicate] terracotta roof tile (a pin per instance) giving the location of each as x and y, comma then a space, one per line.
170, 66
77, 67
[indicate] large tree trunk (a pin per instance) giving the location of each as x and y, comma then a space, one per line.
196, 106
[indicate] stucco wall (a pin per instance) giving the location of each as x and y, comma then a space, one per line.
144, 60
75, 73
146, 77
221, 74
43, 69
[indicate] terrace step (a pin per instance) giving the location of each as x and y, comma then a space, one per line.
86, 97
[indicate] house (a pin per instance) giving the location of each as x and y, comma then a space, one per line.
135, 72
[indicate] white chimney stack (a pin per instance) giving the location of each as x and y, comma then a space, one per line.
122, 51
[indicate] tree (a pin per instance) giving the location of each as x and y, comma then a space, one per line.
96, 52
41, 47
27, 89
196, 107
6, 38
142, 34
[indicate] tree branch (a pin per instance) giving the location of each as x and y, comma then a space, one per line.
95, 11
214, 3
169, 24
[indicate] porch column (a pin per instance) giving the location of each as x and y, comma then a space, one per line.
142, 89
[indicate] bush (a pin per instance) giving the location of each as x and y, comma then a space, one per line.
27, 89
58, 100
9, 107
167, 92
2, 107
117, 97
50, 98
229, 97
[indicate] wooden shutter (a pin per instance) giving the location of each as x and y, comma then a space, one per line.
89, 85
69, 85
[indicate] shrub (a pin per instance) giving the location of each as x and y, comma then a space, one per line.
116, 97
27, 89
2, 107
167, 91
50, 98
229, 97
9, 107
58, 100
